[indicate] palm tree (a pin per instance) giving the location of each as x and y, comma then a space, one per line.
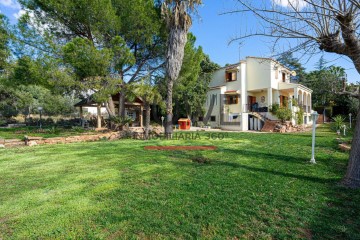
150, 95
178, 20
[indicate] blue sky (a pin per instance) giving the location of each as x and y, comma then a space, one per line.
213, 32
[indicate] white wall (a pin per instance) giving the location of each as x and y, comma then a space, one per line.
93, 110
218, 78
216, 110
258, 73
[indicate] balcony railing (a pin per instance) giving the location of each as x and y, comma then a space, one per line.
255, 108
306, 109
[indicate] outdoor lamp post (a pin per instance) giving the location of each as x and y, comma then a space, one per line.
162, 121
40, 110
350, 118
344, 126
314, 117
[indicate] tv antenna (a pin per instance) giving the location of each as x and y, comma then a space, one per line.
240, 45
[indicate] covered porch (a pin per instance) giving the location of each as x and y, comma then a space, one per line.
300, 93
133, 109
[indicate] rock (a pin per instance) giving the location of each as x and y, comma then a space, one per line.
32, 143
2, 146
157, 131
34, 138
114, 137
283, 129
344, 147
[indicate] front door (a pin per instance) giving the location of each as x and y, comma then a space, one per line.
283, 101
251, 102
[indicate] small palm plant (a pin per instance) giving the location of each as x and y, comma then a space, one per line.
149, 94
338, 122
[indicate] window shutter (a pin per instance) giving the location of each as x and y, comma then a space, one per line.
233, 76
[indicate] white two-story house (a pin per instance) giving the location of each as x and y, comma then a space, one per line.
240, 96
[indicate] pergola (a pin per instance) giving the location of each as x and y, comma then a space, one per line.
136, 105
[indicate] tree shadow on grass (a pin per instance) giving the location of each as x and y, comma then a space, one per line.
273, 172
233, 164
339, 216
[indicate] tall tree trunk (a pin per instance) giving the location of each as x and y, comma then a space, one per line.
169, 110
352, 177
147, 120
110, 107
122, 95
175, 56
155, 113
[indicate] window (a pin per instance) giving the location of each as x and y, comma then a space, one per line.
131, 115
213, 118
230, 76
283, 77
232, 99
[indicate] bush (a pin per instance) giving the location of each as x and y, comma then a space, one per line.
300, 116
294, 102
338, 122
78, 129
54, 130
274, 108
200, 124
49, 122
2, 122
284, 114
117, 123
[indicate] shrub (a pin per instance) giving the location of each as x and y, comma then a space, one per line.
2, 122
284, 114
294, 102
200, 124
338, 122
54, 130
118, 122
300, 116
78, 129
49, 121
274, 108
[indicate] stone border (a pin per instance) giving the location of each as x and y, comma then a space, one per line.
33, 141
134, 133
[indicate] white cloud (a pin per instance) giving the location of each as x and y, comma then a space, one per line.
10, 3
298, 4
19, 14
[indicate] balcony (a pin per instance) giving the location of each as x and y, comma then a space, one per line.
255, 108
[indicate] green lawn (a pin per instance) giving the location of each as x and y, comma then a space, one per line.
46, 132
255, 186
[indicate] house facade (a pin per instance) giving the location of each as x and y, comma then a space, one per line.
240, 96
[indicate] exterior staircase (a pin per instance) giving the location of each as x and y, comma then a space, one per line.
259, 116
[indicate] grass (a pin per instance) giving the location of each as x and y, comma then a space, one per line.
46, 132
255, 186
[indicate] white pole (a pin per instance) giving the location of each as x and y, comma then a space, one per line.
350, 118
314, 118
344, 130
